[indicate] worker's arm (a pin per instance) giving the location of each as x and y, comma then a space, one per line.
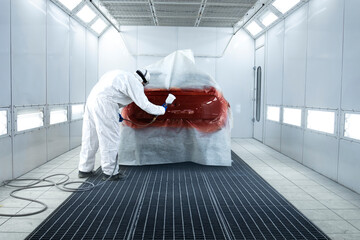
136, 93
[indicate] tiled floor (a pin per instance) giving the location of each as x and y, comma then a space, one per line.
332, 207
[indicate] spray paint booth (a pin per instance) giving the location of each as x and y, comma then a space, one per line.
289, 72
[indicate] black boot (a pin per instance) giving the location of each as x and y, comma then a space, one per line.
86, 174
116, 177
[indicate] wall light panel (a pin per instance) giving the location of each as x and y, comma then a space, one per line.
352, 125
292, 116
323, 121
77, 111
29, 119
273, 113
58, 116
3, 122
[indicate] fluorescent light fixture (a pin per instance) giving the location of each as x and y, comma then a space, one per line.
70, 4
292, 116
3, 123
86, 14
58, 116
268, 18
253, 28
29, 119
352, 125
284, 5
77, 111
273, 113
99, 26
323, 121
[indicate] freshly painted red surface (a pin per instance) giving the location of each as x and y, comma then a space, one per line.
203, 109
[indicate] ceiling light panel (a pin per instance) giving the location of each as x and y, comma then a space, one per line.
268, 18
86, 14
284, 5
99, 26
254, 28
70, 4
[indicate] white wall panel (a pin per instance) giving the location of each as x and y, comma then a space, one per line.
77, 62
321, 153
273, 134
260, 41
91, 61
57, 55
291, 142
207, 65
324, 64
58, 140
201, 40
29, 151
5, 96
349, 165
295, 43
5, 159
157, 40
129, 36
351, 73
113, 53
223, 36
75, 133
143, 61
234, 74
274, 64
28, 39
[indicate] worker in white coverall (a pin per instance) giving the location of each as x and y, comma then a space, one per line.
101, 130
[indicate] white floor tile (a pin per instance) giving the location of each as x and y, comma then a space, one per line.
348, 214
336, 226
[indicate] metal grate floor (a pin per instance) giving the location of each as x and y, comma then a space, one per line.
179, 201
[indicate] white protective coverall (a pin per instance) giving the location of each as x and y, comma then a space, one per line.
101, 119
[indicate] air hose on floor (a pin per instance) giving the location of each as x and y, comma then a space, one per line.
64, 183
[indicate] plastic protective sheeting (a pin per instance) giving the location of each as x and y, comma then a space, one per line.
196, 127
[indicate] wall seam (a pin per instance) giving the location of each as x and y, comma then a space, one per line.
305, 82
340, 115
12, 125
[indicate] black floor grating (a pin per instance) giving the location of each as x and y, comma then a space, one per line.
180, 201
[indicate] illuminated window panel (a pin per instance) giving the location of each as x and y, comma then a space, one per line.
268, 18
70, 4
284, 5
323, 121
99, 26
77, 111
352, 125
58, 116
254, 28
3, 122
86, 14
292, 116
273, 113
29, 119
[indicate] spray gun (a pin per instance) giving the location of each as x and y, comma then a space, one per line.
169, 100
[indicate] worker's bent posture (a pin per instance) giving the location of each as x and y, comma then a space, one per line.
101, 119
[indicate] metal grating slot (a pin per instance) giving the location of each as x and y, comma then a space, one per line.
178, 21
179, 201
165, 10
